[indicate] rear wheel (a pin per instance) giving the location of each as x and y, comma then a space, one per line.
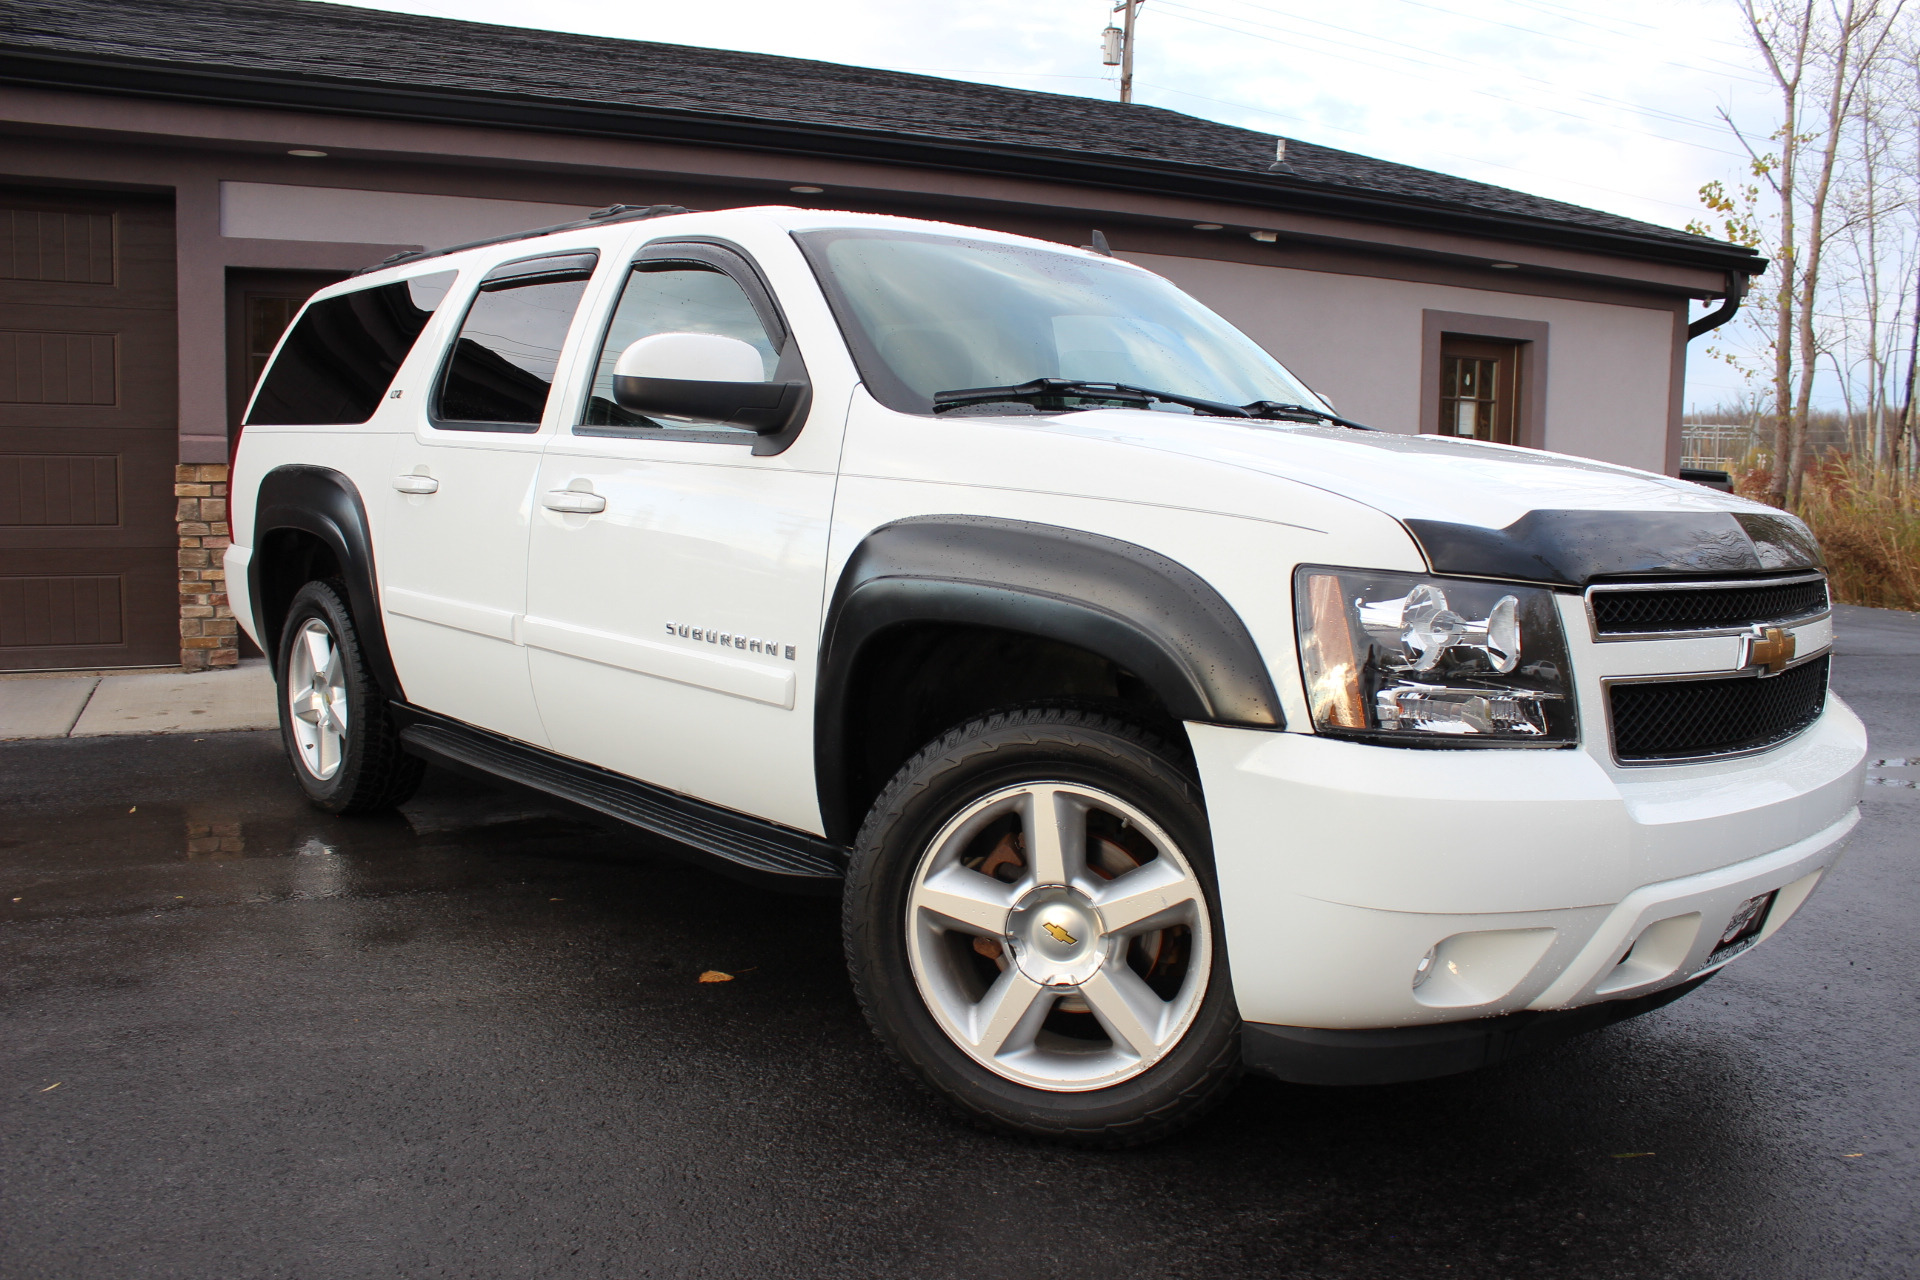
1030, 921
343, 746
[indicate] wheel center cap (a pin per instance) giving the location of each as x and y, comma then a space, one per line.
1055, 937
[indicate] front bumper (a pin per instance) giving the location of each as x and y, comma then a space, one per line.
1311, 1055
1536, 880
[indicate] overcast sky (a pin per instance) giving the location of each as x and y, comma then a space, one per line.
1614, 107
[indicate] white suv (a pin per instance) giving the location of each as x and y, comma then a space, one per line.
1150, 720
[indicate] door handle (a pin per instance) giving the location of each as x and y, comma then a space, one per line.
416, 484
576, 502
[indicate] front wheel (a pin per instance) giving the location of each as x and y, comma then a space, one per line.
333, 720
1031, 925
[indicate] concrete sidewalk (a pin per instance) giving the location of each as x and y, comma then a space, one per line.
86, 706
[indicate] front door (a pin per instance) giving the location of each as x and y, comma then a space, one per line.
671, 630
453, 540
88, 432
1480, 389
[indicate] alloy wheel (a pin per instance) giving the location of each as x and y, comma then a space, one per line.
317, 696
1058, 936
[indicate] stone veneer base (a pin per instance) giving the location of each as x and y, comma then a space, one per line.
209, 636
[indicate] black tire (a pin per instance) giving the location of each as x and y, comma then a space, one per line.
372, 771
974, 761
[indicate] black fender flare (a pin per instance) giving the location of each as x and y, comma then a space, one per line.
326, 504
1141, 610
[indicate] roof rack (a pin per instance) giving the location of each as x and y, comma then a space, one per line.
599, 217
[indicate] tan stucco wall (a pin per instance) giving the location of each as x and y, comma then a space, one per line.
1357, 339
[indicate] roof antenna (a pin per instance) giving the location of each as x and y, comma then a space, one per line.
1099, 244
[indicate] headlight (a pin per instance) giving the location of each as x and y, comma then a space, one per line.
1459, 663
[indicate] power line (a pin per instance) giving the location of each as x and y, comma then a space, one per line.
1565, 14
1550, 35
1319, 124
1597, 99
1188, 16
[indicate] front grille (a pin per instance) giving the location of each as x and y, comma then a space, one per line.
1660, 720
1719, 606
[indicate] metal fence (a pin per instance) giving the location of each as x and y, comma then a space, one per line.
1715, 445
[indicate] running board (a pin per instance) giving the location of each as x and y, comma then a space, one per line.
745, 847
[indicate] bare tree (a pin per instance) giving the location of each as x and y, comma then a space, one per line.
1821, 58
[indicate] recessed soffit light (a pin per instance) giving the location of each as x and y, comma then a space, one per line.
1206, 226
1504, 266
308, 153
806, 191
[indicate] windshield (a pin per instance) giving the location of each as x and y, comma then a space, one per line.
926, 313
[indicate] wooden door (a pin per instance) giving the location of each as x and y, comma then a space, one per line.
88, 431
1479, 389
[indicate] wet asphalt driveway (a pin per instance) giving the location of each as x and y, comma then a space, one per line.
242, 1038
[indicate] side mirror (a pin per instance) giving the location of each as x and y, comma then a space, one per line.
704, 376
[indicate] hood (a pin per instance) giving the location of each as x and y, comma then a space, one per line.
1487, 510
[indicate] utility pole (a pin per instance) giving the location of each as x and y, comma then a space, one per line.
1117, 44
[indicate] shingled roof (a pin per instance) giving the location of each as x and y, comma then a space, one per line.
294, 53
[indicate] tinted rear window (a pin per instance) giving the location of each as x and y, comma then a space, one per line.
336, 365
504, 360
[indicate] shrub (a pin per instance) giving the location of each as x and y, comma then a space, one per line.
1868, 525
1870, 531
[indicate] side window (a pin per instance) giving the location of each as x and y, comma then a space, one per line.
673, 297
501, 367
336, 365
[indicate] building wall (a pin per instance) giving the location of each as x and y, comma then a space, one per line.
283, 211
1610, 376
1348, 319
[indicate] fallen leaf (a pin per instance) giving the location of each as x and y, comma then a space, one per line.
714, 975
135, 809
1845, 1155
556, 899
16, 899
1630, 1155
50, 1088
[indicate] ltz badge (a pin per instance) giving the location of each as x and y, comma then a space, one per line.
732, 640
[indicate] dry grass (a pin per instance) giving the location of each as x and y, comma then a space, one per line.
1869, 529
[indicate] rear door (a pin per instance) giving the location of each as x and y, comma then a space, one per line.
671, 629
88, 432
452, 548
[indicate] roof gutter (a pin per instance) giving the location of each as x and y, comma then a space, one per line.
196, 83
1736, 290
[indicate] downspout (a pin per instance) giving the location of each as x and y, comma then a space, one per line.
1736, 290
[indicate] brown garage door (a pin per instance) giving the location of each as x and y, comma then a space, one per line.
88, 433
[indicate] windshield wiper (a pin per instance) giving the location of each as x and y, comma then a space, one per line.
1060, 388
1056, 388
1300, 413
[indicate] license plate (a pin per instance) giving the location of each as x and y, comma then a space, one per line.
1743, 929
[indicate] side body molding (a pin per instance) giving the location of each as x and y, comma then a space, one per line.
1146, 613
324, 503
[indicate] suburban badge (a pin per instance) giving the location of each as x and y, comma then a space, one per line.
732, 640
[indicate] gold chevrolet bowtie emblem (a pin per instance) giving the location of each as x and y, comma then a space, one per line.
1060, 935
1768, 647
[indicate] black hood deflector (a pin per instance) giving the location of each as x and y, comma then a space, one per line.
1573, 548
